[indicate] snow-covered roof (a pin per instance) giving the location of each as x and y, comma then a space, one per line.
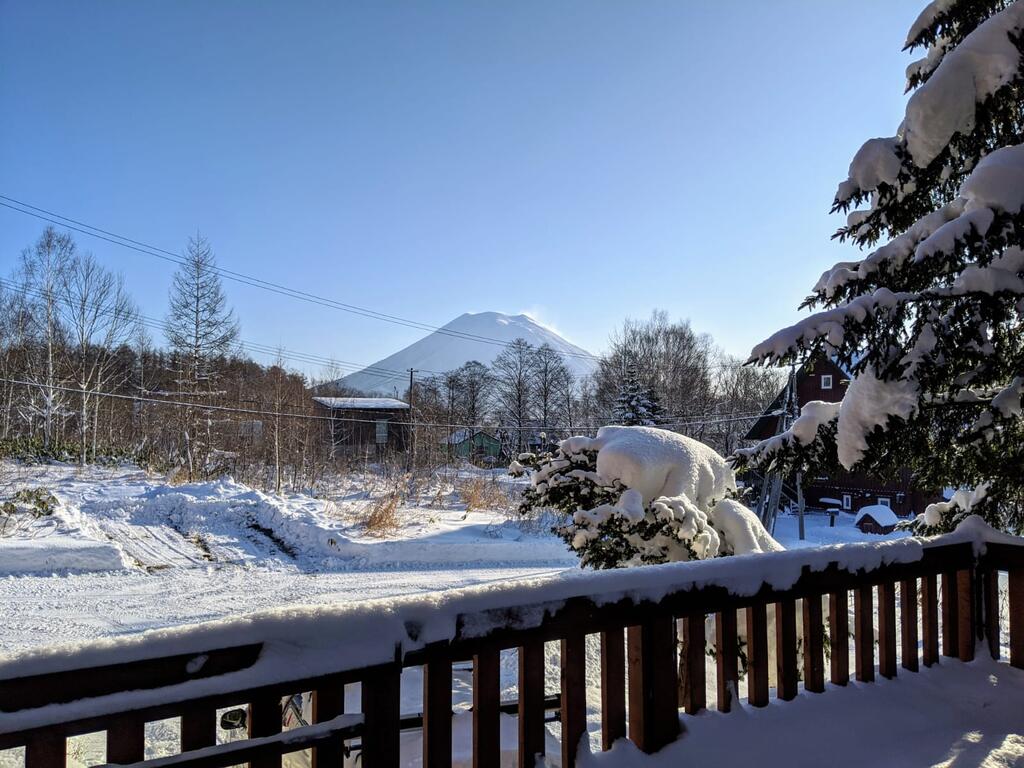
880, 513
362, 403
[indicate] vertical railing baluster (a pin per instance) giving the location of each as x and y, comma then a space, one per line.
380, 696
198, 727
486, 709
613, 687
929, 620
785, 649
1015, 580
965, 614
695, 684
327, 703
950, 618
574, 695
265, 720
908, 624
864, 633
757, 654
531, 703
839, 637
437, 713
727, 657
887, 629
653, 695
126, 740
814, 645
46, 751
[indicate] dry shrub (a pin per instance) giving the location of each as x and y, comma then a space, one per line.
382, 515
482, 493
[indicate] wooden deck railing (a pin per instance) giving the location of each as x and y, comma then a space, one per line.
947, 602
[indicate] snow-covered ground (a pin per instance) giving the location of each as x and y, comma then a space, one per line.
125, 552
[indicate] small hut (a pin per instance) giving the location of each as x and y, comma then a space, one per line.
365, 424
876, 518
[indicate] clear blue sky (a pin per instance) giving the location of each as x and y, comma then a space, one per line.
583, 161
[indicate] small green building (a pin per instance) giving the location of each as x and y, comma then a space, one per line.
474, 445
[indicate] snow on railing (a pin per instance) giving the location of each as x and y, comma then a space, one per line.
118, 685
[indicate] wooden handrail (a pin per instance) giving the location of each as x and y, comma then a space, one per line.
958, 603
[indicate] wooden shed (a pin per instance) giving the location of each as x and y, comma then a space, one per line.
474, 445
365, 424
876, 518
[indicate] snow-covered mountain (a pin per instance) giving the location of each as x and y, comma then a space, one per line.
473, 336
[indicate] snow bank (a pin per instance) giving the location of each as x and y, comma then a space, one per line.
51, 554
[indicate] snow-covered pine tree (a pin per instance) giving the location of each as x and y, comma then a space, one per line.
635, 405
929, 324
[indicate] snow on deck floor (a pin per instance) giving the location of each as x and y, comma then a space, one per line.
957, 715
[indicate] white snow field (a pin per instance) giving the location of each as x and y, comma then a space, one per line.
124, 552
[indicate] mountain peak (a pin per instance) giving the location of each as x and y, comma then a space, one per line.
479, 336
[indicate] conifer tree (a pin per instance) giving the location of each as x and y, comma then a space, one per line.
929, 324
635, 405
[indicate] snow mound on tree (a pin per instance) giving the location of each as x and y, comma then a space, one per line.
657, 463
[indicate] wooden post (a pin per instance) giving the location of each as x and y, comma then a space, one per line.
839, 637
908, 623
887, 629
126, 740
864, 634
727, 657
653, 708
265, 720
1016, 611
929, 620
695, 683
613, 688
46, 752
531, 702
757, 655
486, 711
785, 649
574, 695
381, 704
328, 702
437, 714
814, 642
198, 728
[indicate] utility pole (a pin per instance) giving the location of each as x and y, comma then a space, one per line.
412, 420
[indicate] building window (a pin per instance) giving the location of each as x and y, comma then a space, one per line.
826, 381
885, 501
382, 431
847, 501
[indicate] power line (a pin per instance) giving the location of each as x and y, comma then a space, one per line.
170, 256
306, 416
156, 324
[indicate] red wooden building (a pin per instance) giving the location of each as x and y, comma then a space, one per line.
822, 379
